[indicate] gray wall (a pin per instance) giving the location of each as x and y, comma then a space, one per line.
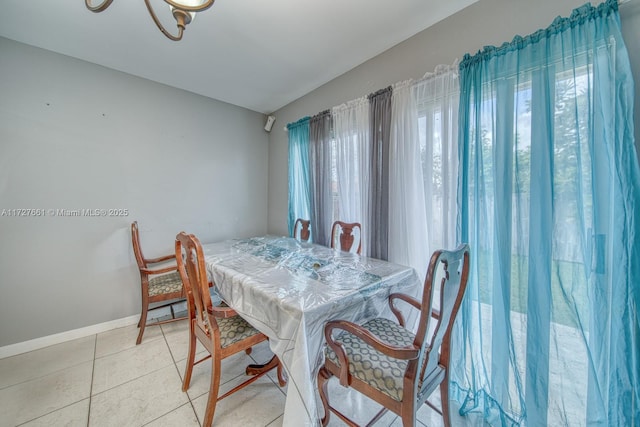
487, 22
75, 135
630, 20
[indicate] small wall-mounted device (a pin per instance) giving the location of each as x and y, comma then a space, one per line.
270, 121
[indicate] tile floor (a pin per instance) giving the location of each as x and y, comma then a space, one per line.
106, 380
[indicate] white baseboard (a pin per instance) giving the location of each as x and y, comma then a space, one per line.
37, 343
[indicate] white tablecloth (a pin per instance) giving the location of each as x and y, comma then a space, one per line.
288, 290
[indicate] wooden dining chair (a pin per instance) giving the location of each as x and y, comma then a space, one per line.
343, 236
301, 229
158, 285
219, 328
388, 363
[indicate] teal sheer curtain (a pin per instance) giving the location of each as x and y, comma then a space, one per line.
549, 333
299, 187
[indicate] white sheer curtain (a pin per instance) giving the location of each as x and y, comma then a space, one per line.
352, 148
437, 99
423, 169
407, 214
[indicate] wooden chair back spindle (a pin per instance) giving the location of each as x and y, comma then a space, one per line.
301, 229
344, 235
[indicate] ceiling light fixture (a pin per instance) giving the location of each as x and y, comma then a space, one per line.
184, 11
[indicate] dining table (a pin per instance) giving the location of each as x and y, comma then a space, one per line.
288, 289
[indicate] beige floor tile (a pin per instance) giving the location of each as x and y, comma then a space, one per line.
140, 401
120, 339
256, 405
355, 405
428, 416
169, 328
177, 336
277, 422
232, 368
38, 363
141, 386
32, 399
118, 368
184, 416
75, 415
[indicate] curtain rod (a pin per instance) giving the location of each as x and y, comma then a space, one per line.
440, 69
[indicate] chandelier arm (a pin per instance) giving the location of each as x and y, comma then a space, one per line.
186, 8
160, 26
99, 8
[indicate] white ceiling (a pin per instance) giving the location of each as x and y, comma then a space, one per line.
257, 54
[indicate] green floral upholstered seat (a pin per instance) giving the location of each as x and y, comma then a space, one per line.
369, 365
234, 329
165, 284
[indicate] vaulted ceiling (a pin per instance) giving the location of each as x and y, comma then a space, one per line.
257, 54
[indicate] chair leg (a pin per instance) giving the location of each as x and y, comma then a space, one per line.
444, 399
214, 387
408, 413
282, 380
323, 379
143, 321
408, 420
190, 358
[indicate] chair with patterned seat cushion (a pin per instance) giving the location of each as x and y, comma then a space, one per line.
219, 328
388, 363
160, 286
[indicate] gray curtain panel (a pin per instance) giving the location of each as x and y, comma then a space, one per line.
380, 117
320, 165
